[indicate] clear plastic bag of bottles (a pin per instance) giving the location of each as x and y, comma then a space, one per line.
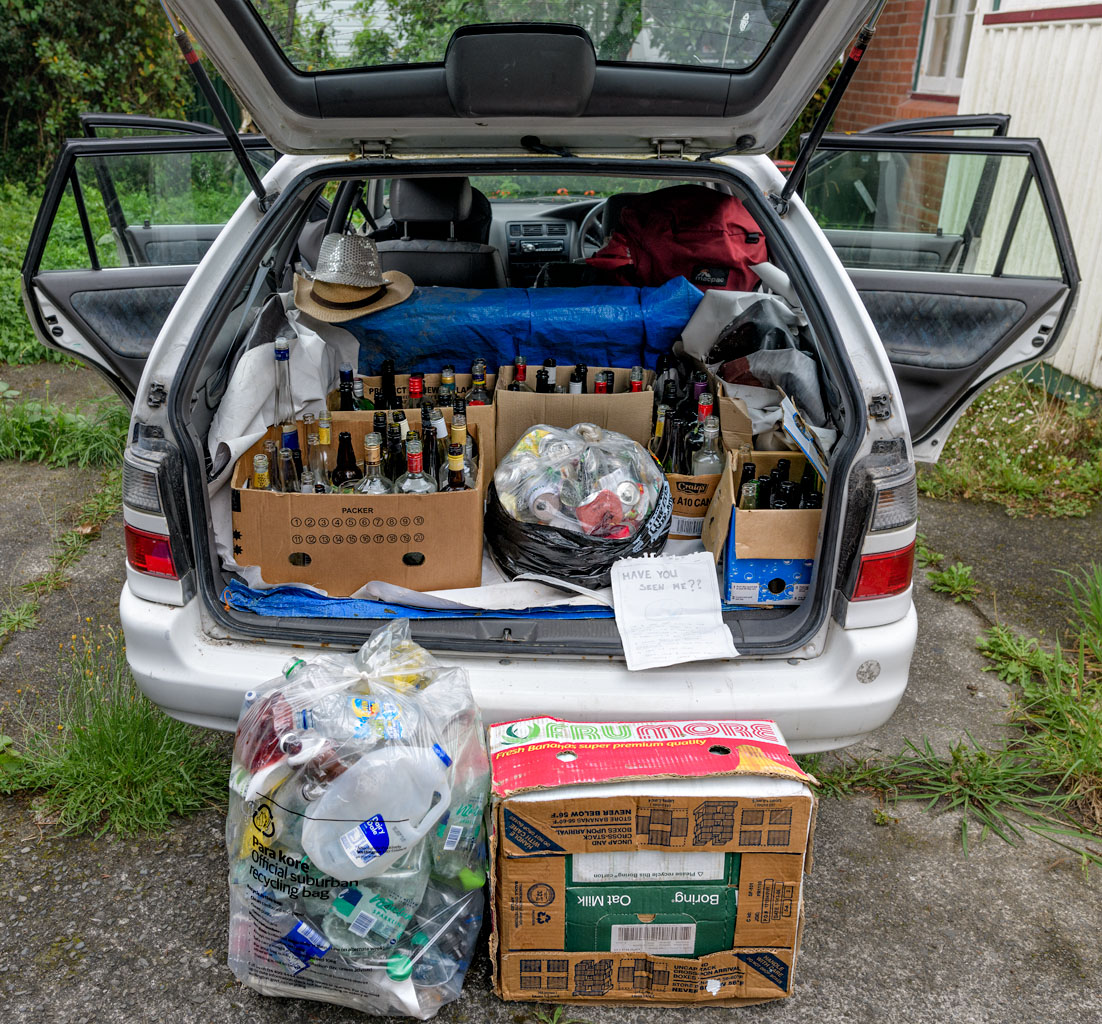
569, 503
355, 830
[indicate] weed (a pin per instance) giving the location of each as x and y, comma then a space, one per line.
17, 617
882, 818
1032, 452
1015, 657
110, 759
7, 392
924, 557
40, 432
956, 580
556, 1015
1084, 593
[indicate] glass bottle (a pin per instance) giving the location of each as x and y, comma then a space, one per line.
543, 382
600, 383
306, 485
373, 481
582, 372
636, 379
786, 495
446, 393
289, 439
403, 423
809, 483
676, 429
284, 404
388, 393
520, 374
428, 442
413, 480
360, 400
695, 438
782, 469
261, 479
325, 439
460, 437
288, 471
576, 382
709, 459
749, 475
394, 460
347, 469
765, 490
439, 438
811, 499
748, 495
666, 373
658, 441
461, 410
416, 390
456, 476
478, 395
318, 462
552, 369
271, 449
698, 384
347, 396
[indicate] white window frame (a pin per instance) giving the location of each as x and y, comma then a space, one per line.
944, 85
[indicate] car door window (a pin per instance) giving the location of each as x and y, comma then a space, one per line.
960, 252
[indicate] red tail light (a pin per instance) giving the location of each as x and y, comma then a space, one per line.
885, 574
150, 553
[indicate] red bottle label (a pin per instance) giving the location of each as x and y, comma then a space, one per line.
416, 462
636, 385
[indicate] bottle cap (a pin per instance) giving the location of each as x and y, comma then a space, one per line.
399, 967
472, 878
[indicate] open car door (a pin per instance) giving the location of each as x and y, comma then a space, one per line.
960, 250
123, 223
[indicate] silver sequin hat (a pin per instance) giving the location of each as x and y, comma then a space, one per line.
348, 281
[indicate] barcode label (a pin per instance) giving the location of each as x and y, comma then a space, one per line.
455, 833
683, 526
362, 924
661, 939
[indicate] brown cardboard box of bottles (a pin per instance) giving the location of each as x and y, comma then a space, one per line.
374, 385
628, 412
339, 542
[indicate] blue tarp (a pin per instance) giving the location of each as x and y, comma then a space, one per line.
598, 326
294, 602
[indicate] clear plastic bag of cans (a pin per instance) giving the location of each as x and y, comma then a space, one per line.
355, 830
570, 502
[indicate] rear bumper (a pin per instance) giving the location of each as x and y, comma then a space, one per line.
821, 703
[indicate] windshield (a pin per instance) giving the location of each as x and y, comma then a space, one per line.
319, 35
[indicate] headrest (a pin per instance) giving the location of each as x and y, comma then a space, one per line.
430, 199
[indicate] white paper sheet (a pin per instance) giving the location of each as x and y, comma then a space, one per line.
668, 610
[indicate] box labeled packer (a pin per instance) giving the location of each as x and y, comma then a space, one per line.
656, 861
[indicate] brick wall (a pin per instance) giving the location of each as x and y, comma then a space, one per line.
882, 88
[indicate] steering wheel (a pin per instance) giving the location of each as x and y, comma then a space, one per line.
591, 230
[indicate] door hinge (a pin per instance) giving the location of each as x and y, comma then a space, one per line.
665, 148
379, 148
157, 395
880, 407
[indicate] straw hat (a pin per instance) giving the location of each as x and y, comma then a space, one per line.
348, 281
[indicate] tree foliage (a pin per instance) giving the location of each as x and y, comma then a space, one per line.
61, 58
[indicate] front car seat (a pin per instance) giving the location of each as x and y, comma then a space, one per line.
421, 207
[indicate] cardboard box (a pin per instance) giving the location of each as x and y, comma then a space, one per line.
373, 386
692, 495
658, 861
735, 426
768, 554
339, 542
627, 412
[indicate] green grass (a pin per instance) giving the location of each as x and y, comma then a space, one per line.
107, 759
1048, 778
924, 557
42, 432
16, 617
556, 1015
1029, 451
955, 580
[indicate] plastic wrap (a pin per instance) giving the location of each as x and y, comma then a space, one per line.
355, 830
570, 503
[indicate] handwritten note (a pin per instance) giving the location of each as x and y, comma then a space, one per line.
668, 610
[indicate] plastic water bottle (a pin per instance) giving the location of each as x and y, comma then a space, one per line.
365, 921
360, 717
457, 842
381, 806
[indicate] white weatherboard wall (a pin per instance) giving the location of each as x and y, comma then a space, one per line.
1047, 75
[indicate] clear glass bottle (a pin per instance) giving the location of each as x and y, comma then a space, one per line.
749, 476
709, 459
318, 461
479, 394
520, 375
456, 476
439, 438
271, 450
694, 441
289, 439
288, 471
636, 380
373, 481
306, 485
347, 469
284, 404
413, 480
348, 400
261, 479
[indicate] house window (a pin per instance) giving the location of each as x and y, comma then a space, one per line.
945, 46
